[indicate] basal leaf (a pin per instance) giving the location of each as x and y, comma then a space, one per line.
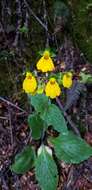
71, 149
53, 116
24, 161
37, 125
40, 102
46, 171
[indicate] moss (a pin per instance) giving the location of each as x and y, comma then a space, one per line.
82, 26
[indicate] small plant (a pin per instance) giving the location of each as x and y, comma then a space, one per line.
23, 30
44, 87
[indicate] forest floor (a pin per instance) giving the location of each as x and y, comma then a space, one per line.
14, 135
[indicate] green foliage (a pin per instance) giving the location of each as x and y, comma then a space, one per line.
61, 11
86, 78
52, 52
23, 29
6, 55
37, 125
54, 117
68, 147
24, 161
46, 171
58, 76
82, 26
50, 113
71, 148
40, 102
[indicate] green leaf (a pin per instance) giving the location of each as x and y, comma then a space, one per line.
46, 171
86, 78
37, 125
41, 52
71, 149
52, 52
50, 113
23, 29
53, 116
24, 161
40, 102
58, 76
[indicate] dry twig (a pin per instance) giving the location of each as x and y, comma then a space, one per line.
11, 104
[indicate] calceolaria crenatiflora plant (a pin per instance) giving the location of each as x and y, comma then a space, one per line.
45, 88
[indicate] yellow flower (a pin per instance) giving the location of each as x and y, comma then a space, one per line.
52, 88
29, 83
45, 63
67, 80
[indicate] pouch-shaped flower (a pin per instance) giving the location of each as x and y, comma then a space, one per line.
29, 83
67, 80
52, 88
45, 63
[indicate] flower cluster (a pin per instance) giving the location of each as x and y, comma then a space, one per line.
50, 86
